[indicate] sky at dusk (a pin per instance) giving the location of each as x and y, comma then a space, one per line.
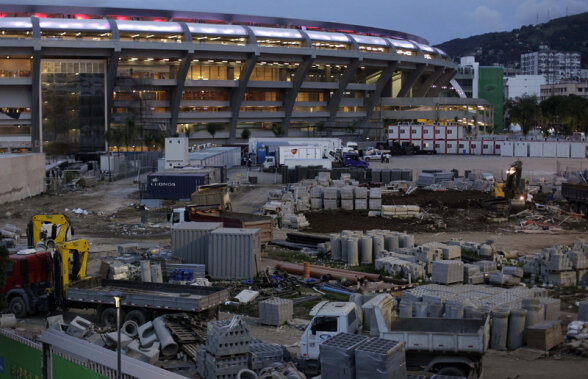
437, 21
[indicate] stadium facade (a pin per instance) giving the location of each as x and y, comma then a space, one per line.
67, 74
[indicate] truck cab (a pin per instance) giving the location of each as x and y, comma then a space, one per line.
351, 159
269, 163
329, 319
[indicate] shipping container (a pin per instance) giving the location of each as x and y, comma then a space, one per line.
440, 132
563, 149
475, 147
428, 146
216, 156
189, 240
175, 185
521, 149
507, 149
404, 132
440, 147
416, 132
235, 220
234, 253
176, 149
451, 147
463, 147
488, 147
535, 149
579, 150
428, 132
268, 146
394, 132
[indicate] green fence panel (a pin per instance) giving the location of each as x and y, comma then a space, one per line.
62, 368
19, 361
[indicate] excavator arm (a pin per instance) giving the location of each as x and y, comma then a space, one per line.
74, 259
49, 229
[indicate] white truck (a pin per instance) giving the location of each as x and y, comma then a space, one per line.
297, 156
451, 347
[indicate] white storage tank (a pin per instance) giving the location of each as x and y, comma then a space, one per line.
507, 149
440, 147
416, 131
404, 132
428, 132
549, 149
451, 147
579, 150
535, 149
393, 132
563, 149
476, 147
521, 149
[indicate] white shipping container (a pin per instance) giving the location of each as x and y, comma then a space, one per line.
176, 149
521, 149
428, 146
428, 132
234, 253
451, 147
475, 147
507, 149
393, 132
488, 147
418, 143
463, 147
579, 150
404, 131
455, 132
535, 149
189, 240
549, 149
440, 131
563, 149
416, 131
440, 147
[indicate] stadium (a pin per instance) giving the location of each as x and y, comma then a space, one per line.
67, 74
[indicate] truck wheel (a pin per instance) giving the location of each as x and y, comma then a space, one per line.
18, 306
583, 209
136, 315
108, 317
451, 371
574, 207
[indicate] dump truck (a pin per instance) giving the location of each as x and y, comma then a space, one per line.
38, 281
229, 220
451, 347
577, 196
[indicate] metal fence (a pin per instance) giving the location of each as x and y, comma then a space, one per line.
114, 166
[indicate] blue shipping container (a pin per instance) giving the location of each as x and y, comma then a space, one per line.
175, 186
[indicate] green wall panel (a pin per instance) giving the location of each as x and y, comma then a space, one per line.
62, 368
18, 360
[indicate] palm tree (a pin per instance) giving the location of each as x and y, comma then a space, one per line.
245, 133
213, 128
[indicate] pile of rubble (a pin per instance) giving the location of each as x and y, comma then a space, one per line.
9, 236
559, 265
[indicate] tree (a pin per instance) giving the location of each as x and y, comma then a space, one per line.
278, 130
245, 133
320, 127
524, 111
212, 128
566, 114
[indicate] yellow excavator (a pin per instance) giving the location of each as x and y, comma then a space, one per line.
74, 260
49, 229
510, 196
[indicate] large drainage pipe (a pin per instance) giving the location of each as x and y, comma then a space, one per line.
168, 345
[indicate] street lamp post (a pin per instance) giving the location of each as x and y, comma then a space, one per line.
117, 298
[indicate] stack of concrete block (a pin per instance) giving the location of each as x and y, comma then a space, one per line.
264, 355
375, 199
428, 255
361, 194
486, 266
561, 278
201, 360
447, 272
502, 279
324, 178
551, 308
337, 356
582, 278
449, 251
275, 311
345, 177
559, 262
331, 198
579, 259
472, 274
316, 200
227, 348
380, 358
399, 211
395, 266
544, 335
347, 198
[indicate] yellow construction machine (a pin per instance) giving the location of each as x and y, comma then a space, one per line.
74, 260
49, 229
510, 195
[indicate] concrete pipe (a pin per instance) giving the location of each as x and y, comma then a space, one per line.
352, 245
246, 374
499, 331
156, 274
366, 250
516, 328
168, 345
336, 246
391, 242
146, 334
146, 271
408, 240
130, 328
377, 246
420, 309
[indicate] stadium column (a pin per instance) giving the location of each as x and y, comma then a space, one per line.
112, 69
335, 100
297, 81
442, 81
411, 80
238, 92
426, 86
371, 101
36, 129
176, 93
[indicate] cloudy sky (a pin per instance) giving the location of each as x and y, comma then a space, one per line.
436, 20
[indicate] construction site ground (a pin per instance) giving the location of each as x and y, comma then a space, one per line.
114, 217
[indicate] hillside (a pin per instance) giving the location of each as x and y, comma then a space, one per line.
566, 34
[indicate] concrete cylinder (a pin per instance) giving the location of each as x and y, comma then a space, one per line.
377, 246
352, 244
534, 315
336, 246
516, 328
366, 250
391, 242
8, 320
405, 309
420, 309
168, 345
454, 311
499, 332
156, 274
435, 310
146, 271
408, 240
130, 328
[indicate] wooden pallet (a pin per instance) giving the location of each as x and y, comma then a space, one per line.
183, 335
190, 350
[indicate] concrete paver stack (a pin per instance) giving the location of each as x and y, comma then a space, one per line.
275, 311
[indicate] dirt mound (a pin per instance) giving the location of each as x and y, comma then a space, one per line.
438, 199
